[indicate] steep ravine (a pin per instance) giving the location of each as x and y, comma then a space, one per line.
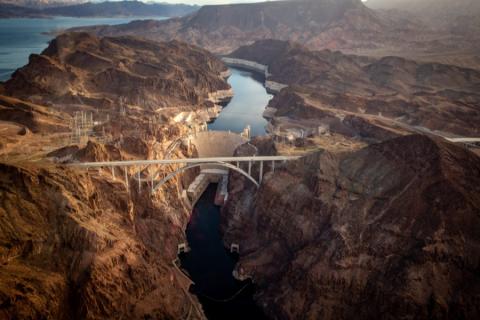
389, 231
209, 263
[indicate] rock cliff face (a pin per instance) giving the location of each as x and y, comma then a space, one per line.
80, 246
19, 119
78, 68
77, 244
36, 118
388, 231
350, 93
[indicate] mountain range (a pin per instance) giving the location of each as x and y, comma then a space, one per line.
460, 16
9, 9
347, 25
41, 3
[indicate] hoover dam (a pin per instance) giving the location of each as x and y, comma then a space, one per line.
208, 262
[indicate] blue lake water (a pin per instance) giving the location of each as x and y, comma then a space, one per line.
246, 106
21, 37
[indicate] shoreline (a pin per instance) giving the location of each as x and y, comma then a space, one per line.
261, 69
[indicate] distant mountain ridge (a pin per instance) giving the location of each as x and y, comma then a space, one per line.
41, 3
222, 28
122, 8
346, 25
94, 9
453, 15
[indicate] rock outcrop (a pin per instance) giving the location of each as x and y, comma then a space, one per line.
79, 246
88, 244
36, 118
366, 97
388, 231
108, 73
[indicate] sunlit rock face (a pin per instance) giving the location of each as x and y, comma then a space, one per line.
94, 244
76, 245
79, 68
390, 231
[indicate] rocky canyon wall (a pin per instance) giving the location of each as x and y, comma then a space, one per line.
389, 231
87, 244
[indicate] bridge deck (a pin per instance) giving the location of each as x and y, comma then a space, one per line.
459, 140
180, 161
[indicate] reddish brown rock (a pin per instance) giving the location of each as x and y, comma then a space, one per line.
371, 98
79, 68
36, 118
78, 245
389, 231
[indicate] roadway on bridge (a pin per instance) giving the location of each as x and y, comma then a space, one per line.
130, 163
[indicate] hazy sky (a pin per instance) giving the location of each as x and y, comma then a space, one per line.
202, 2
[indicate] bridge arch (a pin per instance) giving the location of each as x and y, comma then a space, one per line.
194, 165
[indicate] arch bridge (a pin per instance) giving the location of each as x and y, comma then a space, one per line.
231, 163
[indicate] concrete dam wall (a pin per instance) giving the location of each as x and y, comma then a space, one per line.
246, 64
216, 143
213, 144
271, 86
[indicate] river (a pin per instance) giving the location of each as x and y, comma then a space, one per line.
209, 264
246, 106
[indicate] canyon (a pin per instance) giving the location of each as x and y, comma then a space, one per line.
82, 245
374, 215
358, 98
387, 231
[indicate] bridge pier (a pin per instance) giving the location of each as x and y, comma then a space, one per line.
126, 177
260, 176
139, 182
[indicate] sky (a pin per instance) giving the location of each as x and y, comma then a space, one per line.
200, 2
203, 2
